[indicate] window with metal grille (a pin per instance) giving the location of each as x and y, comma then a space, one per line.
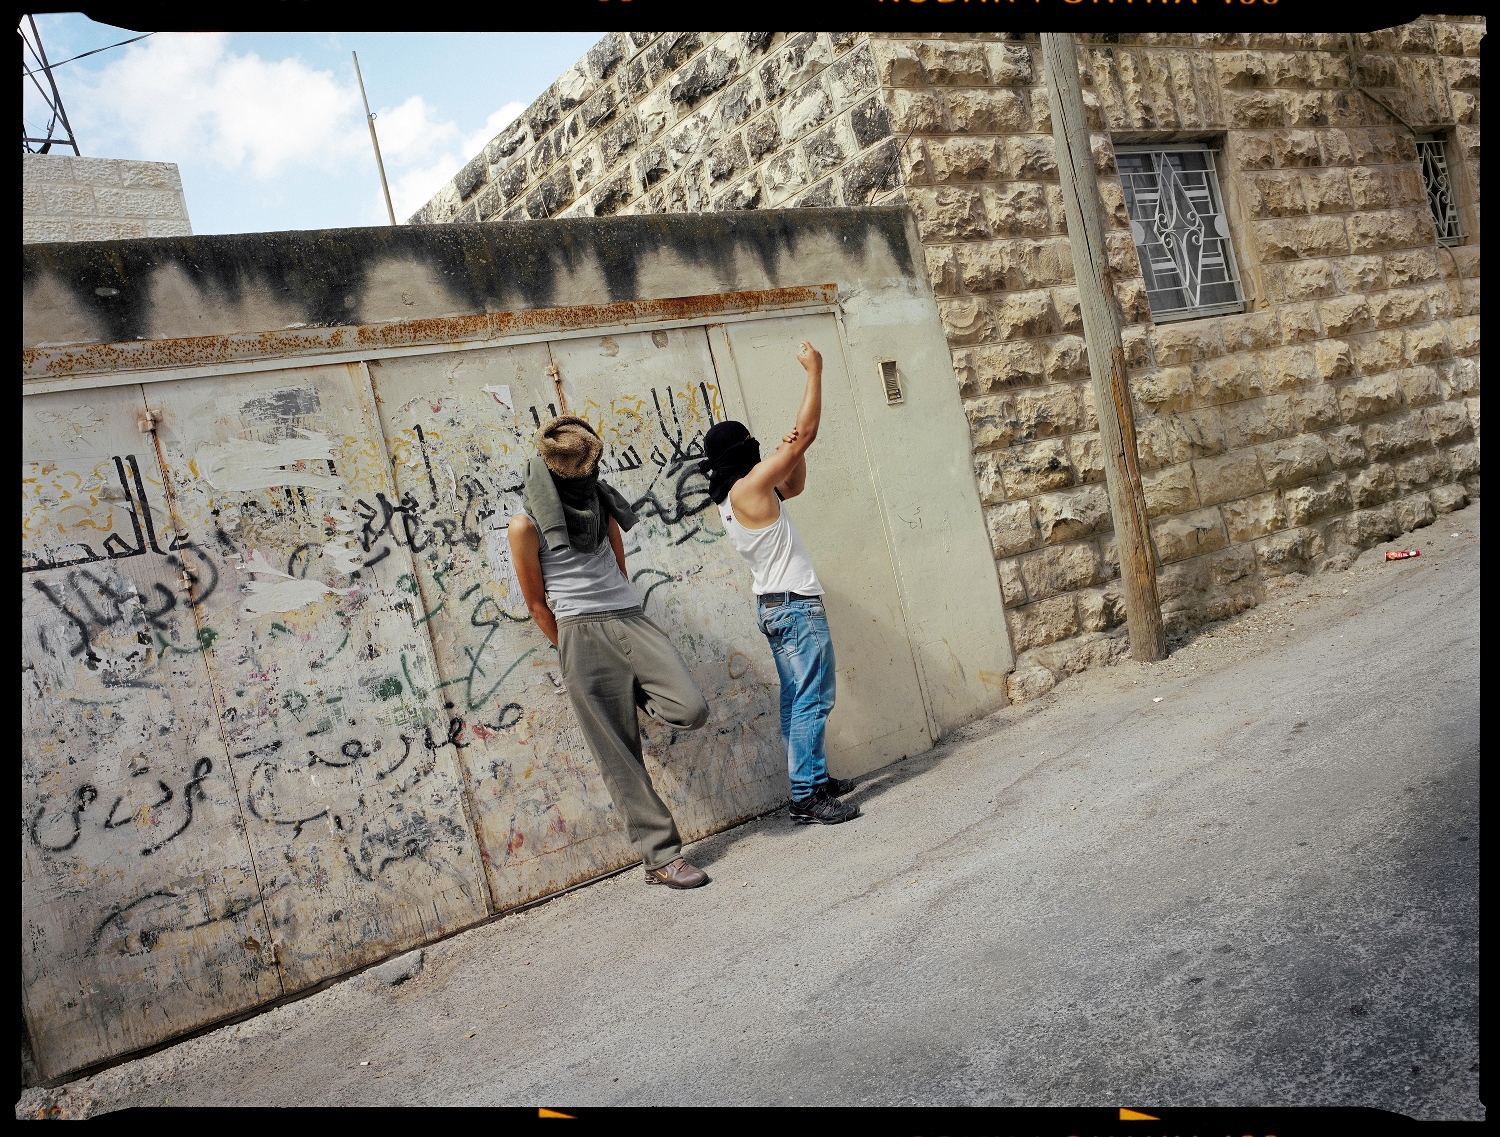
1177, 220
1432, 153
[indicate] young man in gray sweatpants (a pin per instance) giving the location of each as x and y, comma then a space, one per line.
568, 543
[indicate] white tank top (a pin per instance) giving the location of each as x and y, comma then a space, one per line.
778, 558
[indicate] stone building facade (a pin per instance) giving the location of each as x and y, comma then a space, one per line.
1332, 406
64, 198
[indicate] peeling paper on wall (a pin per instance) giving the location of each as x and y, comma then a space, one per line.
345, 560
500, 392
243, 464
284, 593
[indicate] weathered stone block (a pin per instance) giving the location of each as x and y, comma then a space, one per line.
1371, 527
1422, 469
992, 421
950, 213
1072, 514
1426, 343
1010, 528
1370, 397
1010, 64
1345, 314
1028, 682
807, 107
1024, 314
1236, 474
828, 148
1464, 460
1060, 568
1276, 195
1253, 516
1284, 552
1043, 622
987, 111
1069, 312
1346, 447
1334, 359
1034, 469
762, 136
870, 122
961, 159
1399, 306
982, 369
1045, 412
914, 112
1461, 377
1420, 386
1065, 359
1178, 538
1187, 342
618, 138
1310, 502
1387, 229
1377, 352
1326, 191
740, 102
1101, 608
1410, 266
1414, 512
1316, 408
992, 266
613, 194
1449, 423
941, 272
1012, 587
1299, 323
1373, 485
1463, 335
1360, 274
853, 75
1445, 499
1028, 156
896, 63
1397, 436
1171, 388
950, 63
1249, 332
1017, 209
873, 173
1294, 460
1228, 379
1170, 490
967, 320
1257, 420
745, 194
1306, 280
1087, 453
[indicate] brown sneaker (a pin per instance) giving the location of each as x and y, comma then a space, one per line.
677, 874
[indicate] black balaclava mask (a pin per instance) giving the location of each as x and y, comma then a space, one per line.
731, 454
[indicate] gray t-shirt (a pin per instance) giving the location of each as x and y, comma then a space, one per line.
578, 583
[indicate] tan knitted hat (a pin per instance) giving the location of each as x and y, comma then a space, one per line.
569, 446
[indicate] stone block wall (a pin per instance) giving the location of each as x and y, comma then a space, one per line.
66, 198
1338, 410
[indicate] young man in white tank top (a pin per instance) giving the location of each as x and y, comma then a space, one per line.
749, 492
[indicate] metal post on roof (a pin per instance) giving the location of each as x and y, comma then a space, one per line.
375, 142
1084, 208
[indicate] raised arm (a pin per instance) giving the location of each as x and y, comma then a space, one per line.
525, 554
786, 469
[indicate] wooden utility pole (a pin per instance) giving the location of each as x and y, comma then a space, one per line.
1101, 330
375, 142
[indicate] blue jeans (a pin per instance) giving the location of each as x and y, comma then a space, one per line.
798, 634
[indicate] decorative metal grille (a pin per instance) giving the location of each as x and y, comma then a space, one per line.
1433, 155
1177, 220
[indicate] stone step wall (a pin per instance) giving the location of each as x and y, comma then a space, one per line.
1339, 410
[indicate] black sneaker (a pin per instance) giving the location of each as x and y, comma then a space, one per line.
838, 787
823, 809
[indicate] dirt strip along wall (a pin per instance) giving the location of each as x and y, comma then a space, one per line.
285, 712
1339, 409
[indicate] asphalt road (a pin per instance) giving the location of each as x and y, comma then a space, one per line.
1248, 875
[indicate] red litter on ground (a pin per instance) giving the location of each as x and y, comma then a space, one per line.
1402, 554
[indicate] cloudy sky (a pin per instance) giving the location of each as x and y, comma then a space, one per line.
268, 129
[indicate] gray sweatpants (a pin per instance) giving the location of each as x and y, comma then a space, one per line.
612, 663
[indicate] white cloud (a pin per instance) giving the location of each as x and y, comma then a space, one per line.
187, 98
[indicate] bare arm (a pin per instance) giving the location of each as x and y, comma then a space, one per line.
617, 543
786, 469
525, 554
